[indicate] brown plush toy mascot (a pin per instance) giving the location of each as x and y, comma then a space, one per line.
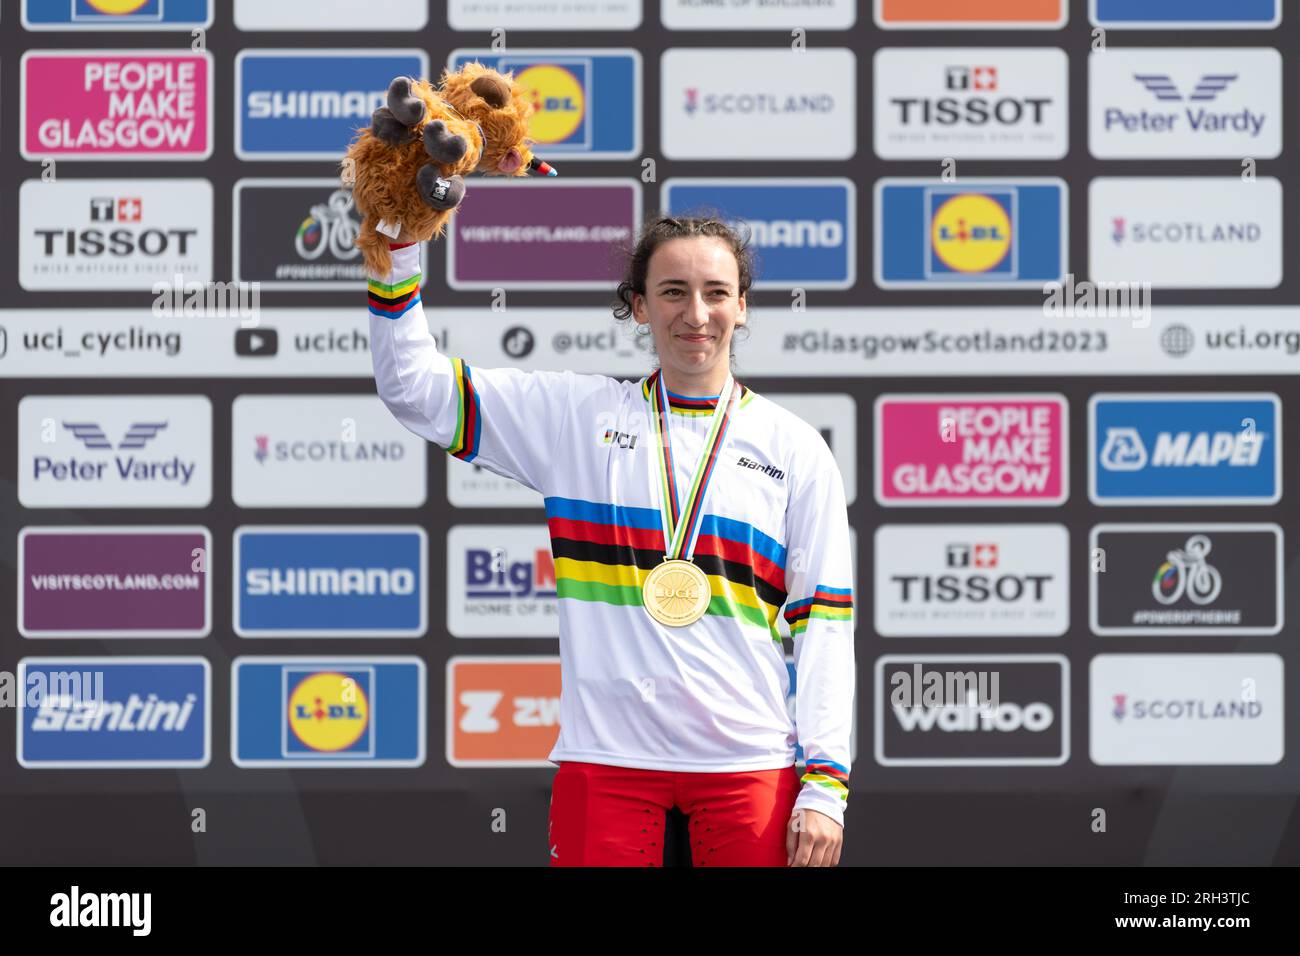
407, 170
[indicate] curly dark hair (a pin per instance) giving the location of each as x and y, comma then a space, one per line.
662, 228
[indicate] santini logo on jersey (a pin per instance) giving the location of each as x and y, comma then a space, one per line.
772, 470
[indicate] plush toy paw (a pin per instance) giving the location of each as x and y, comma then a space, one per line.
392, 123
442, 145
438, 193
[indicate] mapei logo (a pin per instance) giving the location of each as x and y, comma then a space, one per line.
1185, 448
328, 711
993, 233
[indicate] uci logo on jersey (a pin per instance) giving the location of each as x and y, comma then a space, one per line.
1168, 449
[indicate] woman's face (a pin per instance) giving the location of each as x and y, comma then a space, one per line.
692, 304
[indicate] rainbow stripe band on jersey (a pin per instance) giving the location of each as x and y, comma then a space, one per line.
828, 775
694, 406
833, 604
469, 422
603, 553
393, 301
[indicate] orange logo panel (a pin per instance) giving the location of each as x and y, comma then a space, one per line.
502, 711
972, 11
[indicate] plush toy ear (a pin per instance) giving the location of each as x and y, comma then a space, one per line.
387, 127
406, 108
493, 89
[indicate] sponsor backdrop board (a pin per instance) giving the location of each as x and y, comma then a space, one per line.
1081, 489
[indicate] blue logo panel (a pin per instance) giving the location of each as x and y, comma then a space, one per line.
1185, 449
587, 103
328, 712
1228, 13
802, 231
330, 582
105, 712
957, 235
309, 105
97, 15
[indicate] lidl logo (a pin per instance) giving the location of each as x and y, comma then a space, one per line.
971, 233
328, 711
998, 233
568, 118
123, 14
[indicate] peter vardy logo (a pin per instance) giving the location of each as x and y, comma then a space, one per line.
1165, 89
328, 711
1199, 103
151, 712
1185, 448
115, 451
307, 104
300, 581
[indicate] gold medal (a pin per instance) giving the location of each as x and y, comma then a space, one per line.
676, 593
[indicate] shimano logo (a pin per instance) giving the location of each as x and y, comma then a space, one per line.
75, 714
771, 470
796, 233
330, 581
314, 104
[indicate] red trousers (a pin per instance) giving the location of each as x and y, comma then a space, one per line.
614, 816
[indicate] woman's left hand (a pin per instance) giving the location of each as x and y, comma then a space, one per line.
813, 839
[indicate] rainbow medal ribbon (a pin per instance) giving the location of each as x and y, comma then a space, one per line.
676, 592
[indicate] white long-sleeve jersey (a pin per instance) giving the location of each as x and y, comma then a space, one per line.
710, 696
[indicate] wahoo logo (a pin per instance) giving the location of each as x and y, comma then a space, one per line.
1026, 724
1194, 448
151, 712
305, 581
770, 470
1207, 88
620, 439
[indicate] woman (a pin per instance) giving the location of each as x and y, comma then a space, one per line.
678, 537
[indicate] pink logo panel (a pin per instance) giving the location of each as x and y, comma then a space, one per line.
971, 449
84, 104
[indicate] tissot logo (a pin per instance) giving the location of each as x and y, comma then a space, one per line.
977, 103
1027, 725
971, 580
1187, 579
114, 234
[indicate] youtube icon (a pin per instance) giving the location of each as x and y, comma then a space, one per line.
256, 343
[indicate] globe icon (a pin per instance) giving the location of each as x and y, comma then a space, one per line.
1177, 340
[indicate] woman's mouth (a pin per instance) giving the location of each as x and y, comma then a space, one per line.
695, 338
